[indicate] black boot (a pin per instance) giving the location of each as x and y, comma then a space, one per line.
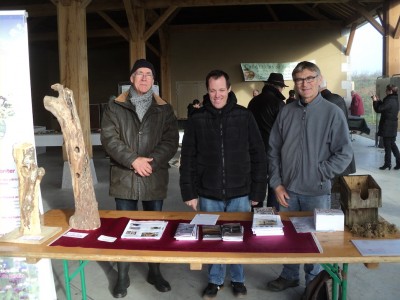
123, 282
154, 277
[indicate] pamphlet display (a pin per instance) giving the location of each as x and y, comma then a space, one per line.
211, 232
232, 232
266, 222
144, 229
187, 232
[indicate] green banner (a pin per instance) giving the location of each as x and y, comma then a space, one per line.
261, 71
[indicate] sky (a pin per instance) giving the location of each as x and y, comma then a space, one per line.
366, 52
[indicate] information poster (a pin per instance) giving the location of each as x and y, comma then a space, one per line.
261, 71
18, 279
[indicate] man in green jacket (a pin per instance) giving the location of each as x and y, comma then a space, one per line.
139, 132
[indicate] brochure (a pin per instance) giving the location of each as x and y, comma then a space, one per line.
144, 229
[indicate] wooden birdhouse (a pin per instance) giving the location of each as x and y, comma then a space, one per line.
360, 198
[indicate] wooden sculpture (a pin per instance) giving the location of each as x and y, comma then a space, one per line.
86, 216
29, 178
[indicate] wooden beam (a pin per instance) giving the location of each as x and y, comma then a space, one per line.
396, 33
312, 12
114, 25
272, 13
159, 22
131, 19
361, 9
73, 62
257, 26
152, 4
351, 39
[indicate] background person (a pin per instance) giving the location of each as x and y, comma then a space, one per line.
389, 109
256, 92
357, 105
265, 108
308, 146
191, 108
140, 134
223, 166
341, 103
292, 97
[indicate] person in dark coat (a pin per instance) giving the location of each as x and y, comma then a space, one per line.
191, 108
139, 131
339, 101
292, 97
223, 166
389, 109
265, 107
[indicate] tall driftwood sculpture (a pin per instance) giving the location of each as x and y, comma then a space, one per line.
86, 215
29, 176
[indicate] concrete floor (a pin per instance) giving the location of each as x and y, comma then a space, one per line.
366, 284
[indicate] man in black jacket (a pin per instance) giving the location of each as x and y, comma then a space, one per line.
265, 108
223, 165
339, 101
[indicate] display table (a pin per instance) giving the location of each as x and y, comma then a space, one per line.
337, 248
358, 124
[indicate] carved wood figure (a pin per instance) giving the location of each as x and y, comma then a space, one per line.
86, 216
29, 176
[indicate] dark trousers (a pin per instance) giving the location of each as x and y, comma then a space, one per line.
389, 143
126, 204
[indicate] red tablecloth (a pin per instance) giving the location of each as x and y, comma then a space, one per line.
291, 242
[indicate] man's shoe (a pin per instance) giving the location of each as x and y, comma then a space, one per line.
239, 289
281, 284
211, 291
121, 288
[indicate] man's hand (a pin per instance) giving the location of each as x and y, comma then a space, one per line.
142, 166
253, 203
281, 195
192, 203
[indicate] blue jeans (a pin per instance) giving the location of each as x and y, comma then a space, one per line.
217, 272
126, 204
299, 202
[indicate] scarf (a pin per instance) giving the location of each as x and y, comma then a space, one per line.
140, 102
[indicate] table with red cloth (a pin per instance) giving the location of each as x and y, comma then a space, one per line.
337, 246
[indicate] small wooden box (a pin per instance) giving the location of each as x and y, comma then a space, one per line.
360, 197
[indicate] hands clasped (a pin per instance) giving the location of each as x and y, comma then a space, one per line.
142, 166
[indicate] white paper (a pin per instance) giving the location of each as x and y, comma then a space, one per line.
76, 235
205, 219
105, 238
378, 247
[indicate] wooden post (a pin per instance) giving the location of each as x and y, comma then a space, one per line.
86, 215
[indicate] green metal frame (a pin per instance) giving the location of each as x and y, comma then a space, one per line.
339, 277
68, 277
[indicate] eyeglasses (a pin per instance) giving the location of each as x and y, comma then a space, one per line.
143, 75
308, 79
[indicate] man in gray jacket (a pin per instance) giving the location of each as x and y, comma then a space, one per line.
309, 145
139, 131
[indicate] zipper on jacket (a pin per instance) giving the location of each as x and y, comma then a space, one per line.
221, 132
